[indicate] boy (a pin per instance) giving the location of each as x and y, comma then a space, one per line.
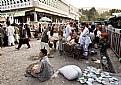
43, 69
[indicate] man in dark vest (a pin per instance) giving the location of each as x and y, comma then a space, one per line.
1, 36
23, 36
44, 40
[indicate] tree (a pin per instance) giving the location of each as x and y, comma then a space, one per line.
92, 14
104, 15
84, 18
114, 11
84, 14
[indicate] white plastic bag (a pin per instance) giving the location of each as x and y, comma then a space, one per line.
70, 72
69, 38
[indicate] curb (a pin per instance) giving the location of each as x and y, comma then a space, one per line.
115, 65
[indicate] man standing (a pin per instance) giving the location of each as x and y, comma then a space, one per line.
1, 36
28, 31
39, 32
68, 30
85, 39
10, 33
23, 36
44, 40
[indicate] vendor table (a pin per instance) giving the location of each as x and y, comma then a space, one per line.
73, 50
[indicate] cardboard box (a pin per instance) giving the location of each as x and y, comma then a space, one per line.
96, 63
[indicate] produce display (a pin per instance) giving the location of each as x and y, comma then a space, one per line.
70, 43
53, 38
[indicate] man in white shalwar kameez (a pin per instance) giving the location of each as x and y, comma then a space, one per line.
68, 30
10, 33
84, 39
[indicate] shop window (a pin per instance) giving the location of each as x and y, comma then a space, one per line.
14, 2
6, 3
21, 1
2, 3
42, 1
17, 1
49, 2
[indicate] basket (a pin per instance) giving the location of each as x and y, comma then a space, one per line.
78, 50
68, 48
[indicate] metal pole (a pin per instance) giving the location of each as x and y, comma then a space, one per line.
120, 45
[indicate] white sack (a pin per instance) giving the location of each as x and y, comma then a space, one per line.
70, 72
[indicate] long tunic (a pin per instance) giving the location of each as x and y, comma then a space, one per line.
68, 31
84, 37
85, 40
10, 33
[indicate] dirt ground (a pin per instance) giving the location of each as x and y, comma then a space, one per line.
13, 65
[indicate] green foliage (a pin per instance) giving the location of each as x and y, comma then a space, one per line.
83, 18
105, 15
114, 11
93, 15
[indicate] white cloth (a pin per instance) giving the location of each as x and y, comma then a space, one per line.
92, 36
79, 39
98, 34
84, 37
69, 38
10, 40
85, 40
48, 33
68, 31
56, 35
10, 33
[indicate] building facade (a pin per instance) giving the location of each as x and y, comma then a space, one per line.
32, 10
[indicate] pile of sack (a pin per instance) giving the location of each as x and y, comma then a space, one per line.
70, 72
90, 75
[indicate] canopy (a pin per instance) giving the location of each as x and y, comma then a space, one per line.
45, 19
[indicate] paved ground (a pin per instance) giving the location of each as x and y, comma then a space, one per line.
13, 64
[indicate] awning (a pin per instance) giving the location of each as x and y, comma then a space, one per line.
50, 12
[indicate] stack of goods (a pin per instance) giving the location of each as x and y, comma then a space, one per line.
93, 76
53, 38
69, 47
70, 43
95, 62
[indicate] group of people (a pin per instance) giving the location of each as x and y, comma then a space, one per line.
88, 34
43, 70
85, 35
11, 35
82, 36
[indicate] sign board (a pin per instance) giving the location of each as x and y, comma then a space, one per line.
22, 13
16, 13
